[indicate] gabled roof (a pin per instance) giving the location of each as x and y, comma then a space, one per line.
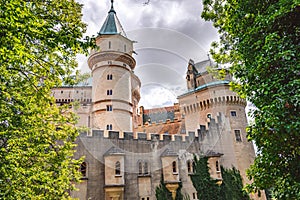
169, 153
112, 25
114, 151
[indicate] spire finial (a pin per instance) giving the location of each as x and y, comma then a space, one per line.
112, 7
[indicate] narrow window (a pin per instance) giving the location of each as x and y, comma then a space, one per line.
148, 198
174, 167
209, 116
145, 168
233, 113
109, 77
238, 135
109, 44
108, 107
217, 166
83, 168
140, 168
125, 48
194, 195
109, 127
61, 91
118, 168
109, 92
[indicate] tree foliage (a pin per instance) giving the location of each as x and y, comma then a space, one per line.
162, 193
39, 41
206, 187
232, 185
261, 42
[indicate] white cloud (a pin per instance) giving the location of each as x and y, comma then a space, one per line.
169, 32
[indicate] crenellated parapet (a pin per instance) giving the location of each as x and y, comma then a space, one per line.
199, 135
214, 102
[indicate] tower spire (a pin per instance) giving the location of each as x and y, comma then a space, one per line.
112, 7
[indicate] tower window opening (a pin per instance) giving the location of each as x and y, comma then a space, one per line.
109, 92
237, 135
208, 116
109, 127
109, 44
109, 76
233, 113
217, 166
125, 48
108, 107
118, 168
174, 166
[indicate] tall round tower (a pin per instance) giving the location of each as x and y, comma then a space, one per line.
217, 115
115, 91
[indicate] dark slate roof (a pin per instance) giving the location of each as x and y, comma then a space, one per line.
112, 25
168, 153
201, 87
114, 151
201, 66
213, 154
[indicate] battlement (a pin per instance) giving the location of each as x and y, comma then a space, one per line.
197, 135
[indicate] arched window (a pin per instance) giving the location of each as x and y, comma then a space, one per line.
83, 169
174, 166
140, 168
146, 168
217, 166
118, 168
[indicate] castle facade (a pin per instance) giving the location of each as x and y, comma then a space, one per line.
129, 150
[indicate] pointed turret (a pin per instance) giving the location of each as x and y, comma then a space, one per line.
112, 25
116, 89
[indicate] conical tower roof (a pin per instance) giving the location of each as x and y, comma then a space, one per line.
112, 25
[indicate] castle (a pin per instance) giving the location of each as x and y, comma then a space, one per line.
128, 150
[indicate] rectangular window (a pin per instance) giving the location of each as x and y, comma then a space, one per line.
109, 76
109, 92
108, 107
109, 127
237, 135
233, 113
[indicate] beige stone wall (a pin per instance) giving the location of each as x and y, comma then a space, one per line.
117, 43
110, 176
169, 175
81, 192
214, 170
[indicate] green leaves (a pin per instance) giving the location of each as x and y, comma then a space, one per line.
38, 46
260, 40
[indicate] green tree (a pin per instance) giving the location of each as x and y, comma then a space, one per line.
232, 185
260, 40
206, 187
162, 193
39, 41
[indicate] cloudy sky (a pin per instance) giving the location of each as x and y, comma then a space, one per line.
168, 34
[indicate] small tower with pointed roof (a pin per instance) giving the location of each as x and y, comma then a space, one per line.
116, 89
